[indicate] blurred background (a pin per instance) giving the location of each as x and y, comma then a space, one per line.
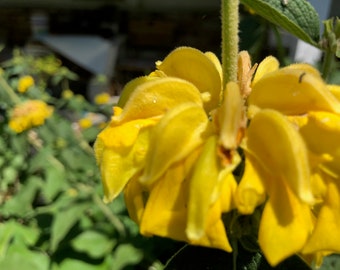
123, 38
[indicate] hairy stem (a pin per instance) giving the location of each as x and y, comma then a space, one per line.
230, 39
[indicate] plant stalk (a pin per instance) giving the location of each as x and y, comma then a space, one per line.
327, 64
9, 91
230, 39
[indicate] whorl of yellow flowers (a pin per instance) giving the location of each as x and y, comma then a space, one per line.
29, 114
174, 141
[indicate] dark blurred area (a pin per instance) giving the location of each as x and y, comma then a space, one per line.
122, 39
119, 39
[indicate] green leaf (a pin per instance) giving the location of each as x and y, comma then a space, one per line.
125, 255
72, 264
64, 220
55, 182
331, 262
95, 244
6, 233
20, 257
12, 231
296, 16
21, 202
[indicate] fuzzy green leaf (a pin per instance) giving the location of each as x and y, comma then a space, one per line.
298, 17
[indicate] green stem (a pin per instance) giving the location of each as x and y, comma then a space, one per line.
9, 91
119, 226
327, 64
230, 22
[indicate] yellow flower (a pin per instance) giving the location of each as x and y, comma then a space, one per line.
25, 83
85, 123
102, 98
172, 147
278, 159
286, 147
321, 131
29, 114
164, 152
67, 94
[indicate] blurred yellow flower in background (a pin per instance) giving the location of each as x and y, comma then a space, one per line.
85, 123
29, 114
102, 98
67, 94
25, 83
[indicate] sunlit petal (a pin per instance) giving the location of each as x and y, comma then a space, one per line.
202, 183
135, 198
279, 149
335, 90
267, 65
285, 225
177, 134
293, 91
326, 235
194, 66
321, 134
215, 234
155, 97
124, 135
130, 87
306, 67
118, 165
166, 209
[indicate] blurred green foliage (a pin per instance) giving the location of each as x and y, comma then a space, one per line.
51, 212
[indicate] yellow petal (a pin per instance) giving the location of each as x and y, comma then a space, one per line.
293, 91
267, 65
117, 166
130, 87
202, 183
213, 58
279, 149
335, 90
124, 135
135, 199
227, 192
165, 213
306, 67
326, 235
98, 148
194, 66
250, 192
285, 225
177, 134
155, 97
231, 117
322, 133
215, 234
166, 210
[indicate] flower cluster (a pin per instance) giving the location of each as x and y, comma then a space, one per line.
174, 140
29, 114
